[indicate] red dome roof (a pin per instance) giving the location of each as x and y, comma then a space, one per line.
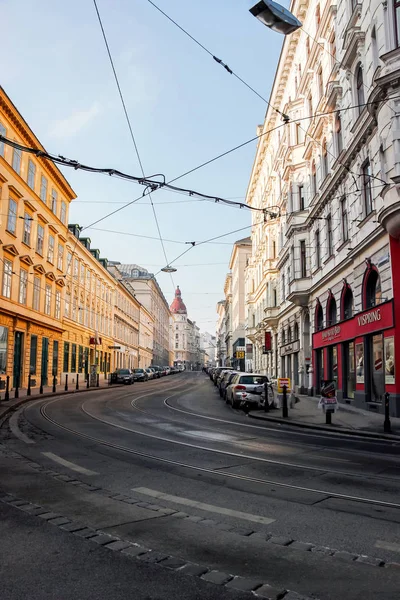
177, 306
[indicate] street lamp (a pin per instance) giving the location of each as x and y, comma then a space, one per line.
275, 16
168, 269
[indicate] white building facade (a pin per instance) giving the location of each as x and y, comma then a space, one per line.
320, 279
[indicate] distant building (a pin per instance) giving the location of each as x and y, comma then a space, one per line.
186, 335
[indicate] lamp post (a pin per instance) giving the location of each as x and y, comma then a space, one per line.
275, 16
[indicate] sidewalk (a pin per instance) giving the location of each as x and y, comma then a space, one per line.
12, 403
347, 419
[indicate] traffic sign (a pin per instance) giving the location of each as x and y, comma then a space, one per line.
240, 354
281, 382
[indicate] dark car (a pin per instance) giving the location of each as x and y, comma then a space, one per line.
124, 376
140, 375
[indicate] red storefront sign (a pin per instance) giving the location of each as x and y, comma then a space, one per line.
369, 321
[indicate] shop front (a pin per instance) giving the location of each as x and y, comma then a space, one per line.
359, 355
290, 361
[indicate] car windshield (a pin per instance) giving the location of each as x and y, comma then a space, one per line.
138, 370
123, 372
253, 379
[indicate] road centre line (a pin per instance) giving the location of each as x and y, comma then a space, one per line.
387, 546
68, 464
206, 507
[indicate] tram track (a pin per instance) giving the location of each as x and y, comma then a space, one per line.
213, 472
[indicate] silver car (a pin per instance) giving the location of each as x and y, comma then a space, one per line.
245, 388
225, 381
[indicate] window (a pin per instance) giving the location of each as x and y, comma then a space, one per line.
303, 259
345, 221
283, 287
26, 238
50, 250
325, 166
47, 300
16, 162
299, 134
12, 216
292, 263
7, 275
57, 311
33, 355
23, 285
63, 213
3, 133
80, 359
366, 187
274, 249
301, 197
82, 274
347, 303
331, 311
308, 45
317, 16
67, 304
329, 235
319, 317
310, 105
66, 357
360, 98
40, 240
313, 179
54, 196
373, 289
396, 6
36, 294
317, 249
55, 357
274, 297
31, 174
76, 269
320, 83
69, 263
73, 359
3, 349
43, 189
60, 257
339, 135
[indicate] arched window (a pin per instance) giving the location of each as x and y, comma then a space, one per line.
324, 159
372, 289
289, 334
283, 336
319, 317
313, 178
331, 310
347, 302
296, 331
360, 88
339, 134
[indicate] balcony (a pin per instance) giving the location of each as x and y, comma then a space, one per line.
299, 291
271, 316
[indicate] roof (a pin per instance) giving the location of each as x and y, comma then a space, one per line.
178, 307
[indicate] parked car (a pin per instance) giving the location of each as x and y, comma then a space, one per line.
167, 370
216, 373
225, 381
150, 373
155, 371
140, 375
221, 375
124, 376
245, 388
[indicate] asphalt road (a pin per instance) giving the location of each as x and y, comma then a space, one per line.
167, 465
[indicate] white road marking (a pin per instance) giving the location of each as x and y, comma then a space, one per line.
387, 546
207, 507
68, 464
13, 422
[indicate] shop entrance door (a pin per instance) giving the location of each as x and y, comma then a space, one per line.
375, 368
349, 370
18, 350
319, 366
45, 360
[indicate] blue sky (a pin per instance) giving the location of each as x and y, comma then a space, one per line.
184, 110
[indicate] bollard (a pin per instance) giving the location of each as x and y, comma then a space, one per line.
328, 416
266, 403
16, 393
7, 394
387, 427
87, 380
285, 412
28, 392
54, 384
77, 381
41, 385
98, 380
66, 382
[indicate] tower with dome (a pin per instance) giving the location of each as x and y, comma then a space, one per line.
185, 336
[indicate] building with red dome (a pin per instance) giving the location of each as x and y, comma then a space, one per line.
185, 335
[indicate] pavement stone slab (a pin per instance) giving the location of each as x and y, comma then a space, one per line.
217, 577
38, 511
72, 527
195, 519
46, 516
19, 503
244, 531
392, 565
343, 555
179, 515
370, 560
323, 550
244, 584
85, 533
302, 546
135, 550
296, 596
193, 569
118, 545
103, 538
280, 541
168, 511
209, 523
153, 556
173, 563
59, 521
269, 592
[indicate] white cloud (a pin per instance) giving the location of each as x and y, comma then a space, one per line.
72, 125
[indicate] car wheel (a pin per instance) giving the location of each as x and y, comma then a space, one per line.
235, 404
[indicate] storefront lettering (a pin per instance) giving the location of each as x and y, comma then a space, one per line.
331, 333
370, 317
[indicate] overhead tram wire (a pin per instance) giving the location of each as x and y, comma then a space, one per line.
131, 131
218, 60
